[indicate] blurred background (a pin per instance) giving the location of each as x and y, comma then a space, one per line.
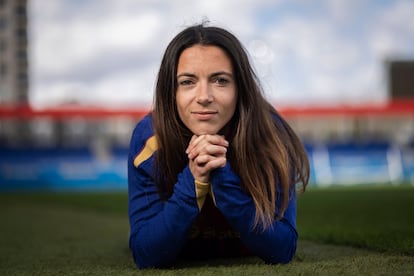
76, 76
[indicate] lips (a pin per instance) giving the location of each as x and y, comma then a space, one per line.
204, 115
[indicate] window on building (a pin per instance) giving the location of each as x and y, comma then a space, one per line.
3, 70
21, 32
21, 77
3, 23
3, 45
20, 10
21, 55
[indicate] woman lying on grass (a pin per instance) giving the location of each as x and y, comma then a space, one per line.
212, 169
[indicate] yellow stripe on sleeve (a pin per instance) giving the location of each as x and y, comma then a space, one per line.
212, 195
201, 192
150, 147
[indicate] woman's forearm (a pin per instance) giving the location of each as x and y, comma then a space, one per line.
159, 229
275, 244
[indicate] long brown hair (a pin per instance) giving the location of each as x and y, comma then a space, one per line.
264, 150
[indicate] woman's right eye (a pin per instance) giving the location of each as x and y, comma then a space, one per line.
185, 82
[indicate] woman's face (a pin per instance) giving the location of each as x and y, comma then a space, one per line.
206, 92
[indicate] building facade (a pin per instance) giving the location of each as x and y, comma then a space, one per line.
14, 81
14, 77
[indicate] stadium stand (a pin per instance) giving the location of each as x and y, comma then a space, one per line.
85, 148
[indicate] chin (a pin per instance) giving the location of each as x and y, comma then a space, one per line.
205, 131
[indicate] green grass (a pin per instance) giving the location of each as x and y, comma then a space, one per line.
374, 217
356, 231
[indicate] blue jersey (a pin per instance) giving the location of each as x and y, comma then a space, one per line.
199, 219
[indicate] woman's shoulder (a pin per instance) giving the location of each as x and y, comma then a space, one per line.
143, 131
277, 118
145, 125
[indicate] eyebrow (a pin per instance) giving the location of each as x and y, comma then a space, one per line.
185, 74
222, 73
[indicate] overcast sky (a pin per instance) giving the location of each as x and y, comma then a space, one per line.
107, 52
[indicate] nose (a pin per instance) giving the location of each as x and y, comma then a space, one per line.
204, 94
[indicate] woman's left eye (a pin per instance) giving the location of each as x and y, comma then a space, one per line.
221, 81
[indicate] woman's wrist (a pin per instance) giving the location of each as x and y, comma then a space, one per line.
202, 179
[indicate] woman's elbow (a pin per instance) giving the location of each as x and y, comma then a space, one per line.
285, 253
145, 257
142, 258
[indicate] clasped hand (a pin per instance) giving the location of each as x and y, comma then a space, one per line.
206, 153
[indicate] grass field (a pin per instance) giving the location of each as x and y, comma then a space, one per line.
356, 231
